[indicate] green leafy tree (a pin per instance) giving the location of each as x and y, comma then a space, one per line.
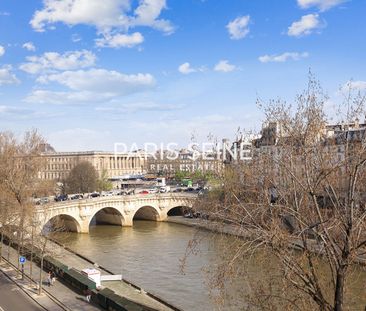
179, 175
103, 184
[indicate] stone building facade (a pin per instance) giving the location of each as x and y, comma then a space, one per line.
184, 161
59, 164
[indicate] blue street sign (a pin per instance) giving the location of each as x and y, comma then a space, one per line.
22, 260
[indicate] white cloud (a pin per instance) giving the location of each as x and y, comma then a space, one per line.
354, 85
66, 98
224, 66
120, 40
305, 26
178, 127
213, 118
186, 68
238, 28
139, 106
51, 61
73, 12
29, 46
101, 80
7, 76
19, 113
147, 13
283, 57
11, 110
106, 17
2, 50
322, 5
89, 86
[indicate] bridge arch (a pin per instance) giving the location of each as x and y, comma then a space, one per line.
61, 223
179, 210
147, 212
107, 216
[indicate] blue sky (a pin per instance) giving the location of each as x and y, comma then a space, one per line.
89, 73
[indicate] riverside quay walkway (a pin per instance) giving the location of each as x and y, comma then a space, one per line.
76, 215
60, 296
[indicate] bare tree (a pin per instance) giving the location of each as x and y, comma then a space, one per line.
300, 200
7, 215
20, 164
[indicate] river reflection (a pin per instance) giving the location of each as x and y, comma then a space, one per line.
149, 255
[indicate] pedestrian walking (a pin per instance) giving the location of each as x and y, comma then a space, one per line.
49, 279
88, 295
53, 277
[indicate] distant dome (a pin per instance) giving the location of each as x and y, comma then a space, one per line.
47, 148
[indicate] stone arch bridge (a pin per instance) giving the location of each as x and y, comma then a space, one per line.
77, 215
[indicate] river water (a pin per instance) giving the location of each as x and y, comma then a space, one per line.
149, 254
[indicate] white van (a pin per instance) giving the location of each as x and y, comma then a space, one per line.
164, 189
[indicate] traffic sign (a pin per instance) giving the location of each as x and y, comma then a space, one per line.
22, 260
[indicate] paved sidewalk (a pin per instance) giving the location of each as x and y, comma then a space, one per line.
30, 289
12, 297
56, 297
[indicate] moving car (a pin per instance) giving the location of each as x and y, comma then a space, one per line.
61, 197
76, 197
126, 192
41, 201
153, 190
94, 195
107, 193
164, 189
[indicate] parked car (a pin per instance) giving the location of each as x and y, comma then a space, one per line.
153, 190
144, 192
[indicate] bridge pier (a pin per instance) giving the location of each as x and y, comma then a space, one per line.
163, 214
84, 226
128, 222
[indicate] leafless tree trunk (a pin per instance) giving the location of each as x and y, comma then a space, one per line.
43, 252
